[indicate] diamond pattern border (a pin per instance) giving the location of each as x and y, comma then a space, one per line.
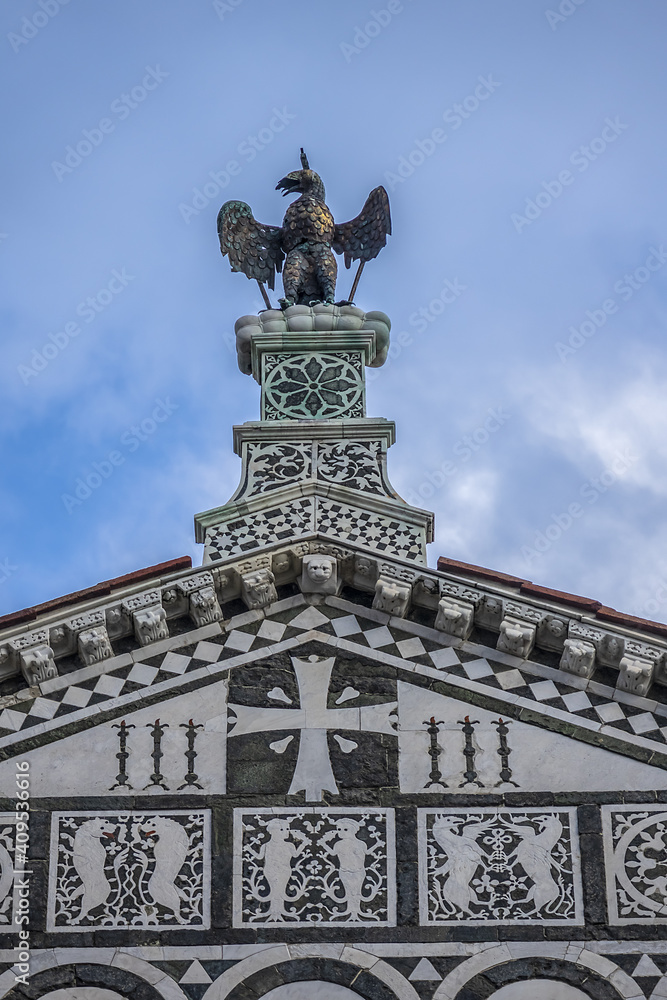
424, 649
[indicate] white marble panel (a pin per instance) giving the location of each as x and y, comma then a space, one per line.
545, 989
539, 760
115, 869
499, 866
67, 769
319, 867
635, 852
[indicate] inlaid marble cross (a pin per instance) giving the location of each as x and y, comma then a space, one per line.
313, 773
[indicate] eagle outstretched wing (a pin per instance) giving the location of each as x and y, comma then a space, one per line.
364, 237
253, 247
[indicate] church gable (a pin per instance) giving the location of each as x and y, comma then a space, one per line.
313, 699
314, 759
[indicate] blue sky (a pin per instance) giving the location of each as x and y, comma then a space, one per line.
522, 145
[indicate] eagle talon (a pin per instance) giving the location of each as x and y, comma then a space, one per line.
285, 303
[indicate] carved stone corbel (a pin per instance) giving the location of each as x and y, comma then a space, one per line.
258, 588
319, 575
489, 612
150, 625
578, 657
552, 633
94, 645
635, 675
392, 596
610, 650
516, 637
204, 606
455, 617
38, 664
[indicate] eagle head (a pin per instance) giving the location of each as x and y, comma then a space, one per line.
304, 181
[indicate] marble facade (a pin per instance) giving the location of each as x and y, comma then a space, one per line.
315, 766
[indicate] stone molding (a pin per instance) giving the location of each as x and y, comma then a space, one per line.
584, 644
321, 326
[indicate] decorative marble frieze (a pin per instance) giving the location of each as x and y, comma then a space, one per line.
315, 867
354, 464
146, 869
635, 852
274, 464
499, 866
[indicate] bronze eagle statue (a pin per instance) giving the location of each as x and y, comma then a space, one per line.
304, 241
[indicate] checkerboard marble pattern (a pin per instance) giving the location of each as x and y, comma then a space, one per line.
401, 643
253, 531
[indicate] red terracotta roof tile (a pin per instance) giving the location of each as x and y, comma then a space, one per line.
586, 603
467, 569
99, 590
617, 618
534, 590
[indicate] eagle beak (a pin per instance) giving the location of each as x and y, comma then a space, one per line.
287, 185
